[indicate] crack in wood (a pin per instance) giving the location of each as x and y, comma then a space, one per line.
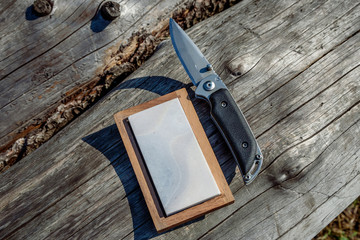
324, 202
125, 60
313, 135
286, 189
51, 205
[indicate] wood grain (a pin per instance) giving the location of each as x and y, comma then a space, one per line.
50, 66
293, 68
162, 222
55, 67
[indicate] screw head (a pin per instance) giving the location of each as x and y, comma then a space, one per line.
209, 67
110, 10
223, 104
43, 7
209, 85
245, 144
257, 157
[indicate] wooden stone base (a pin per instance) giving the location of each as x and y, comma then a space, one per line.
161, 221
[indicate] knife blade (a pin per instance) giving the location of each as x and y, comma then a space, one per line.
225, 113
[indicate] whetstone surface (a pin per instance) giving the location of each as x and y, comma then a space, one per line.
177, 165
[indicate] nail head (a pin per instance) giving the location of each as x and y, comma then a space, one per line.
110, 10
43, 7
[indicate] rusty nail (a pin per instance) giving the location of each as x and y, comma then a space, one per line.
43, 7
110, 10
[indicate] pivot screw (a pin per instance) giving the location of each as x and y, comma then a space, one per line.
110, 10
257, 157
209, 85
209, 67
43, 7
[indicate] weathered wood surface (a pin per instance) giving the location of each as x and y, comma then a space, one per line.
293, 68
46, 61
54, 67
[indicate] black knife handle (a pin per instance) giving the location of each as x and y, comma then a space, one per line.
235, 129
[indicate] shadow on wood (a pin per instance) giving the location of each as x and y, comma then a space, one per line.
110, 136
30, 14
98, 23
157, 84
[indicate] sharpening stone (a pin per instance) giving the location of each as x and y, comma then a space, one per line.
177, 166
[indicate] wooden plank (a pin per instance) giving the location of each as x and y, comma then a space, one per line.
52, 68
303, 179
299, 89
161, 221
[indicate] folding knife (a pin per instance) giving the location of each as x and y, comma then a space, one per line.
224, 111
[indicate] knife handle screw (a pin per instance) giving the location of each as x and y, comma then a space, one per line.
245, 144
209, 67
257, 156
223, 104
209, 85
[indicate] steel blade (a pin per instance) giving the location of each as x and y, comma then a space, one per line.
194, 62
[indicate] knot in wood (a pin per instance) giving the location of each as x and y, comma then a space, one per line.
42, 75
235, 68
239, 66
43, 7
110, 10
290, 172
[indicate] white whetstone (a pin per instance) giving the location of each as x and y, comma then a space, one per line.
177, 166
